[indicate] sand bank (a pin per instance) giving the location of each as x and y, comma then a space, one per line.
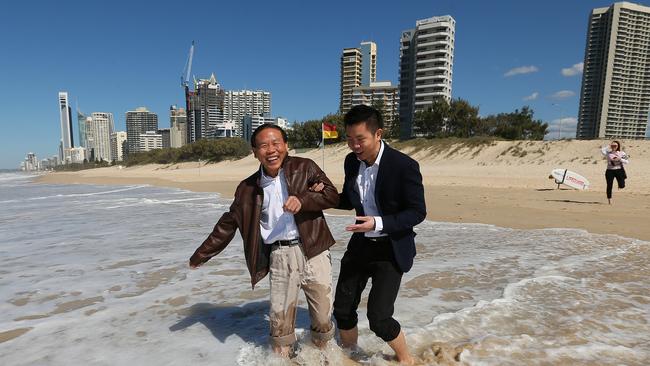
503, 184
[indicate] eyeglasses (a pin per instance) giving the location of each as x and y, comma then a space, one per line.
613, 145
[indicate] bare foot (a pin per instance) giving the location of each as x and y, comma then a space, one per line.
282, 351
407, 361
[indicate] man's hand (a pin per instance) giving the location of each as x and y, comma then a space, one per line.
317, 187
292, 205
367, 224
192, 266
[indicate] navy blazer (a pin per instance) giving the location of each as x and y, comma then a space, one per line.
399, 195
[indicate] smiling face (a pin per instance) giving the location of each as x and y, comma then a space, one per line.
271, 150
363, 143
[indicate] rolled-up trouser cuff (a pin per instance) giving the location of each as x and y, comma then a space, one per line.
323, 337
286, 340
389, 334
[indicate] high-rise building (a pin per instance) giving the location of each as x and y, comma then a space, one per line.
238, 104
205, 109
426, 63
138, 122
351, 76
358, 68
81, 124
215, 112
150, 140
166, 137
118, 145
99, 128
250, 123
615, 93
65, 117
31, 163
178, 126
368, 63
382, 95
78, 155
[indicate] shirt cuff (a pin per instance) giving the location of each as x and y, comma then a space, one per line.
379, 224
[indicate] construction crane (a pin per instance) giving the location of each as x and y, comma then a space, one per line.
185, 84
185, 76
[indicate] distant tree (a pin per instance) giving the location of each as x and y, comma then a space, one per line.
393, 131
431, 121
519, 125
463, 119
212, 150
309, 134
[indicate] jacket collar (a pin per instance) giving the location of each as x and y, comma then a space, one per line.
258, 174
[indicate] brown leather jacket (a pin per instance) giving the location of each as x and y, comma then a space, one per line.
245, 211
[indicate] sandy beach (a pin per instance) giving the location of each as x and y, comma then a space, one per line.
504, 184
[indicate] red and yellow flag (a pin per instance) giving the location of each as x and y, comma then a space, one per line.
329, 131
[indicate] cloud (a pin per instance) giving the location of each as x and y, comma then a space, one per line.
562, 128
563, 94
532, 96
521, 70
573, 70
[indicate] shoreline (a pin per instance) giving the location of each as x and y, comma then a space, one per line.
513, 207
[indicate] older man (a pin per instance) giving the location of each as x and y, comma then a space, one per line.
284, 234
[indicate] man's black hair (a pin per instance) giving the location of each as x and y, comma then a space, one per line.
363, 113
264, 126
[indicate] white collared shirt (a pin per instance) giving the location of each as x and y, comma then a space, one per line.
275, 223
366, 181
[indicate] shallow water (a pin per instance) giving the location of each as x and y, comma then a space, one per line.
98, 275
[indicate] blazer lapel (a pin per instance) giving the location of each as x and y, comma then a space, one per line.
350, 185
382, 172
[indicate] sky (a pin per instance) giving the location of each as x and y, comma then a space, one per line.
119, 55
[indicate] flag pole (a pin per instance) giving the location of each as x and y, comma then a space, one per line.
322, 138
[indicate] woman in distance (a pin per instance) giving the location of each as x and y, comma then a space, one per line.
616, 157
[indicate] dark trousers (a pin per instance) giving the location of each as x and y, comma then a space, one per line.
610, 174
366, 259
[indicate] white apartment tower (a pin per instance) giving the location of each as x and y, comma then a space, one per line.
615, 93
177, 126
150, 140
118, 145
99, 129
358, 68
65, 120
238, 104
426, 64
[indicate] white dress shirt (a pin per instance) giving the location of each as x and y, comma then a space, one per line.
275, 223
366, 181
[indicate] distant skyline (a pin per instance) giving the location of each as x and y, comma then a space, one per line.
114, 57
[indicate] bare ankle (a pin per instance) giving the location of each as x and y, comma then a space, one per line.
349, 338
282, 351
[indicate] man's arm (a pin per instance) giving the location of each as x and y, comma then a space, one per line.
219, 238
344, 200
415, 212
313, 201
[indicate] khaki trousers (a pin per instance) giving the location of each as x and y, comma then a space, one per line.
289, 272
